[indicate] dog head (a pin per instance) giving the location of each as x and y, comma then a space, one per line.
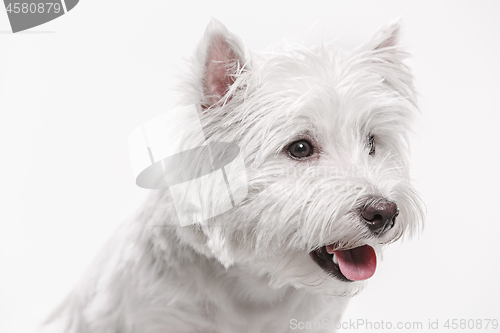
324, 137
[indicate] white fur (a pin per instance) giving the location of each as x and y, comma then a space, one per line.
249, 269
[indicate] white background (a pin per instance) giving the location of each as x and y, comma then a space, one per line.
73, 89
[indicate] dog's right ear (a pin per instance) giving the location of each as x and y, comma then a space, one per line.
223, 59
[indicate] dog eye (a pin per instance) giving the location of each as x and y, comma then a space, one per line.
300, 149
371, 144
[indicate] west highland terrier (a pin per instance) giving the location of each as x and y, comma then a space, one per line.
323, 139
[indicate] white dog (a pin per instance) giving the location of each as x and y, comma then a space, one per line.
323, 137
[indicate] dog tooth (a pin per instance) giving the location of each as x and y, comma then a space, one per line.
335, 260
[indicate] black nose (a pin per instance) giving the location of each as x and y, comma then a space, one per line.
380, 215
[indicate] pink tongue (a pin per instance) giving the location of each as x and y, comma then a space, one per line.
358, 263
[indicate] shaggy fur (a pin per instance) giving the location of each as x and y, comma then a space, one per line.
249, 269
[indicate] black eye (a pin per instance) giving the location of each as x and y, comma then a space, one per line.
371, 144
300, 149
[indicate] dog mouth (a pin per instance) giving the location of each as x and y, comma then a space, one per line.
355, 264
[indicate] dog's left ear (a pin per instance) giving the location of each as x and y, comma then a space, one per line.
387, 37
387, 57
223, 60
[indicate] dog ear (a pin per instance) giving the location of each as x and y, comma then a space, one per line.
223, 55
387, 56
387, 37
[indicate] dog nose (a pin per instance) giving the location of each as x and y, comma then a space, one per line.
380, 215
